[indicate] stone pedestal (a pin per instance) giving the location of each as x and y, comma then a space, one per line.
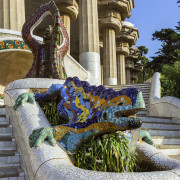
12, 14
89, 40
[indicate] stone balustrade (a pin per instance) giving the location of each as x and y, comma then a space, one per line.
162, 106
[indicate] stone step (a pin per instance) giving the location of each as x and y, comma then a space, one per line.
142, 113
161, 126
6, 130
177, 157
7, 143
166, 120
4, 123
2, 110
164, 132
130, 85
9, 158
169, 149
147, 89
8, 172
166, 140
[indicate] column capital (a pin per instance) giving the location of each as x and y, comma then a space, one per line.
129, 63
128, 33
123, 6
122, 47
135, 71
109, 18
69, 8
134, 53
138, 67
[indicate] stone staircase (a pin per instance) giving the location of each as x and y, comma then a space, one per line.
165, 131
10, 168
145, 88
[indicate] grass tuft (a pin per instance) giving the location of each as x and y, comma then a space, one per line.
108, 153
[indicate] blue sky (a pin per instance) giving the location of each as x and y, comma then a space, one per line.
151, 15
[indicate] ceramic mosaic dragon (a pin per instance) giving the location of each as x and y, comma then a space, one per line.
90, 110
48, 56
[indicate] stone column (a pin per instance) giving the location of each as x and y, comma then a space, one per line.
89, 56
109, 57
110, 24
111, 12
12, 14
131, 60
122, 52
68, 11
128, 76
125, 38
129, 67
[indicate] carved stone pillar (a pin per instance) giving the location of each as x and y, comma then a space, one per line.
129, 67
128, 76
110, 15
109, 57
69, 11
125, 38
12, 14
122, 52
89, 40
110, 24
131, 60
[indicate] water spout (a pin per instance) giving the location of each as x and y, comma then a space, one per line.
134, 139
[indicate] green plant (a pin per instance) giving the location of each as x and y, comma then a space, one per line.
170, 80
50, 110
108, 153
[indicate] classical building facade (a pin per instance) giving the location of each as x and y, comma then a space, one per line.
101, 40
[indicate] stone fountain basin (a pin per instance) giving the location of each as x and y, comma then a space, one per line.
47, 162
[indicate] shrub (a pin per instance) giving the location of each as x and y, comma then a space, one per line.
108, 153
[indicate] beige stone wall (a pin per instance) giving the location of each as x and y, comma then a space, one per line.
12, 14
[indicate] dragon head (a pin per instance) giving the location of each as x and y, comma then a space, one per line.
121, 117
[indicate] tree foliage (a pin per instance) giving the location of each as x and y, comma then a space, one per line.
147, 72
170, 80
169, 51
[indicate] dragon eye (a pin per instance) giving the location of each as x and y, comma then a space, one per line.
105, 116
120, 104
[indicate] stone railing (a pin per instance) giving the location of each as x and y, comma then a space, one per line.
47, 162
73, 68
163, 107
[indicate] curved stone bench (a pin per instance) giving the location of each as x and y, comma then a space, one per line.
47, 162
168, 106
